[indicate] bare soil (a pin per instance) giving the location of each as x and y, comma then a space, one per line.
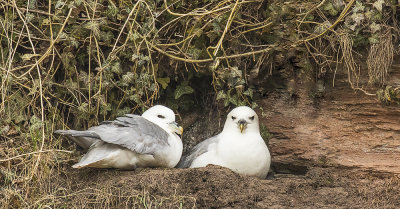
216, 187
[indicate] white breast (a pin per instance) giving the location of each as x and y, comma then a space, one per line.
171, 155
245, 154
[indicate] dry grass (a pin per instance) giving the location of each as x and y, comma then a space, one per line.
71, 64
380, 58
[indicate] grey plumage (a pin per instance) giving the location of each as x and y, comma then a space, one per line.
131, 131
196, 151
84, 143
103, 151
131, 141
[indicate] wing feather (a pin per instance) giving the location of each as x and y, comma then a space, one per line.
130, 131
196, 151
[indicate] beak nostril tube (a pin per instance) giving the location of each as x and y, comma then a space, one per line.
242, 122
242, 125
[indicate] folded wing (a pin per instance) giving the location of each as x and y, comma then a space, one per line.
130, 131
196, 151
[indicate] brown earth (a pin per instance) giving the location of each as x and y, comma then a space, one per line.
335, 149
216, 187
344, 128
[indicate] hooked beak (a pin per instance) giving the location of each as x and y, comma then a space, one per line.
242, 125
175, 128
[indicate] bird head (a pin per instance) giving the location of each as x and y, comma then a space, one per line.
159, 114
242, 119
164, 117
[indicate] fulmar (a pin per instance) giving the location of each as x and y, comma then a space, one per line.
131, 141
238, 147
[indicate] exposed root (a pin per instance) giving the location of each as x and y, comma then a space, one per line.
353, 70
380, 58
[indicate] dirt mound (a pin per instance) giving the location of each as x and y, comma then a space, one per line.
216, 187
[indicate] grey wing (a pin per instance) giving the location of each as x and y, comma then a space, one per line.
135, 133
131, 131
196, 151
83, 142
99, 156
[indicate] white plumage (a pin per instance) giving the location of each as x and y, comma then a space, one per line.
131, 141
239, 146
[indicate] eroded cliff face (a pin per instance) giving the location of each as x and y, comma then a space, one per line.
339, 127
319, 125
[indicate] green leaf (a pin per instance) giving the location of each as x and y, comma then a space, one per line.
183, 89
112, 10
59, 4
27, 57
249, 92
234, 100
35, 123
226, 102
46, 21
116, 68
106, 36
94, 26
164, 82
83, 107
221, 95
373, 39
329, 8
378, 5
359, 7
78, 2
235, 72
216, 28
375, 27
105, 108
127, 78
195, 52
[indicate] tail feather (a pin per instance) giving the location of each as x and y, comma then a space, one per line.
96, 164
98, 156
78, 133
84, 139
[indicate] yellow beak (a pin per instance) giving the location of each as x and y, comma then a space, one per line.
241, 126
180, 129
175, 128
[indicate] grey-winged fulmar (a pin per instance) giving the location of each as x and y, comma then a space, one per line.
238, 147
131, 141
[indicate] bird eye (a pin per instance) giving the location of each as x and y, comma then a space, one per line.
251, 118
233, 118
161, 116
